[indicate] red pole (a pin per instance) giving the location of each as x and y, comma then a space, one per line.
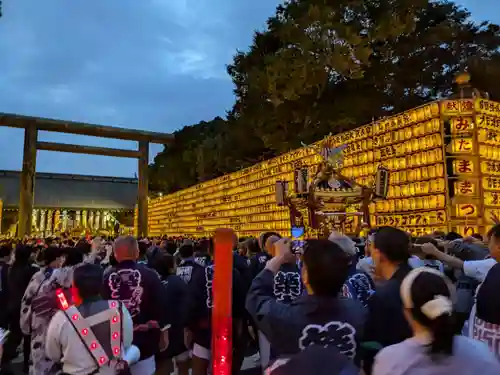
222, 345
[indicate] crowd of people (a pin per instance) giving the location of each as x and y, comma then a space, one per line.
382, 304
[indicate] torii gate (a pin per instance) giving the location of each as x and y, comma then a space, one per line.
32, 125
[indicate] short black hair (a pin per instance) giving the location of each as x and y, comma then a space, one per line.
84, 247
88, 280
23, 254
143, 248
252, 245
163, 263
487, 304
494, 232
204, 246
5, 249
393, 243
453, 236
51, 254
186, 251
423, 240
112, 260
74, 256
171, 247
327, 266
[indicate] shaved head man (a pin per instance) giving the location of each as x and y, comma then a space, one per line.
126, 248
138, 287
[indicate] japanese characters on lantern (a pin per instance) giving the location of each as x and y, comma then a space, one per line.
461, 151
488, 124
410, 145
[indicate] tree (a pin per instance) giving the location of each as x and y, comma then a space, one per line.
417, 67
309, 47
326, 66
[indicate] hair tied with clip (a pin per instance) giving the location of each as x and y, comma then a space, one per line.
437, 307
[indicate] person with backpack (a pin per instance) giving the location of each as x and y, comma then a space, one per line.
37, 307
93, 336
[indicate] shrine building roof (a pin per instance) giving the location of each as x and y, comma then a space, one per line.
69, 191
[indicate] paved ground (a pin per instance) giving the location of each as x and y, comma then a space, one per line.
251, 366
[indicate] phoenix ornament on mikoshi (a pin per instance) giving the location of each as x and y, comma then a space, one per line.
333, 159
333, 156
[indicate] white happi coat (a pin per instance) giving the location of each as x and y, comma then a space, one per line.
64, 345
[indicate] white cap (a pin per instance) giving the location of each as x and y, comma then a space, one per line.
345, 243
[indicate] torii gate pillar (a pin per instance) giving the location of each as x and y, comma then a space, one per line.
27, 180
142, 201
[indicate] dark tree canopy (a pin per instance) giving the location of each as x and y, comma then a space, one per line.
324, 66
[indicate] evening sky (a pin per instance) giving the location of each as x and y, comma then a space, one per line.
146, 64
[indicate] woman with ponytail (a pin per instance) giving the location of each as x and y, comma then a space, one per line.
434, 349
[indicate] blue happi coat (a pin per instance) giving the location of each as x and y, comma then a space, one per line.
358, 285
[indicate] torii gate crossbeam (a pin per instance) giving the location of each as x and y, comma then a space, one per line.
32, 125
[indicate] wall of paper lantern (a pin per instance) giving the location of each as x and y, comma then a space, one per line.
415, 146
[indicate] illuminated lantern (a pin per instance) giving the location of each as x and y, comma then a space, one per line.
61, 298
409, 144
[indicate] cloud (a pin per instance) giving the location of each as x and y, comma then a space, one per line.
148, 64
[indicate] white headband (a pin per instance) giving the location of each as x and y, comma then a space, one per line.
434, 308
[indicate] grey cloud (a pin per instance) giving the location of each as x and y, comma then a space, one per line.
150, 64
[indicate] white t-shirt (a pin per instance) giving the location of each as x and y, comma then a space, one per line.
366, 264
478, 269
416, 262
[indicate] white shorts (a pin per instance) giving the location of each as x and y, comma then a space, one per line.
201, 352
264, 350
